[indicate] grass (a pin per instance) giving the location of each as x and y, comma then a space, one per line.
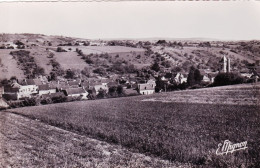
183, 132
9, 66
105, 49
30, 143
70, 60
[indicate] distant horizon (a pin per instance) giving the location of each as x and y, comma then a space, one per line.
225, 21
142, 38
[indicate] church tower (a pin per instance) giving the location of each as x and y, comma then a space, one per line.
224, 64
228, 65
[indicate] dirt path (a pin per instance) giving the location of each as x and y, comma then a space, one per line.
30, 143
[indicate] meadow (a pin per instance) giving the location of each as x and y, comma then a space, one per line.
9, 66
176, 131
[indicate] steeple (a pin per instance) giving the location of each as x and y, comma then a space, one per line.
224, 64
228, 65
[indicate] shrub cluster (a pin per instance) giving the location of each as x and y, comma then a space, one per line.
228, 79
28, 64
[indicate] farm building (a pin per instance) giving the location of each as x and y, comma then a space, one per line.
46, 89
145, 89
74, 84
24, 89
76, 92
60, 85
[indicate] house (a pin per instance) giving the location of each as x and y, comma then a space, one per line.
145, 89
3, 103
247, 75
212, 76
179, 78
60, 85
46, 89
76, 92
184, 80
151, 82
23, 89
206, 78
105, 81
73, 84
97, 88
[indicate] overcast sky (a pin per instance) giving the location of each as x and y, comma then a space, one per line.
231, 20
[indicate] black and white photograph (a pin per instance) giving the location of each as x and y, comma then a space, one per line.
129, 84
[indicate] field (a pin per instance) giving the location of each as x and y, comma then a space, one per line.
105, 49
9, 66
70, 60
167, 128
30, 143
128, 54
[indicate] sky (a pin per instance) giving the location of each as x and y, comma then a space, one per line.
223, 20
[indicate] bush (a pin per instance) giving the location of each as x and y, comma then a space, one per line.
100, 71
59, 49
46, 101
70, 74
228, 79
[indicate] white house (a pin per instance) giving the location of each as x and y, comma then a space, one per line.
151, 82
46, 89
183, 80
100, 87
17, 91
76, 92
145, 89
206, 79
179, 78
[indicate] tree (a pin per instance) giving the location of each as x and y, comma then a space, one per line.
13, 78
85, 72
120, 90
70, 74
194, 76
4, 82
100, 71
112, 91
101, 94
59, 49
197, 76
53, 76
155, 67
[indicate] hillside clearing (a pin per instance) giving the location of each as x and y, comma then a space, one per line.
70, 60
9, 66
104, 49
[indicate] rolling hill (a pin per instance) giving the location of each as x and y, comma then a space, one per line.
179, 53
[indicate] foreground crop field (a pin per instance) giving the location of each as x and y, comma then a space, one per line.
29, 143
173, 130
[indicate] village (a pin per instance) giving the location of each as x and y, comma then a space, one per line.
40, 90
